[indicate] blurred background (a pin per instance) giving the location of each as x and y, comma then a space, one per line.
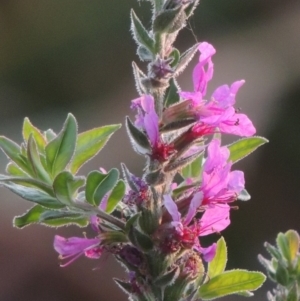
63, 56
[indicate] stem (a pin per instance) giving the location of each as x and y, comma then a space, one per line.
109, 218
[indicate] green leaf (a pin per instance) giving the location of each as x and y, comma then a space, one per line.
65, 187
98, 184
34, 195
29, 129
193, 170
60, 150
93, 180
31, 216
244, 147
172, 95
89, 144
244, 196
29, 182
140, 34
231, 282
218, 264
40, 215
138, 139
15, 170
35, 162
293, 243
13, 151
50, 135
115, 196
169, 20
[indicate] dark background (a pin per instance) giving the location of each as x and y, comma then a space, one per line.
63, 56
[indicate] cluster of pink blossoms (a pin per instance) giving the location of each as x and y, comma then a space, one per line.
208, 210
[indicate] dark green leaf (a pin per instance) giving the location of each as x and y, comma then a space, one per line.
185, 58
231, 282
65, 187
89, 144
244, 147
60, 150
140, 34
172, 95
138, 139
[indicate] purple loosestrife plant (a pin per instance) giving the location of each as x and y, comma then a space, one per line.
152, 225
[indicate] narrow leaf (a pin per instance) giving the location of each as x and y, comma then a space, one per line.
138, 76
185, 58
34, 195
40, 215
12, 150
89, 144
35, 162
138, 139
172, 95
60, 150
29, 182
15, 170
244, 147
29, 129
231, 282
140, 34
218, 264
115, 196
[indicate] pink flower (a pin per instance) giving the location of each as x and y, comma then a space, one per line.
218, 113
148, 120
214, 219
219, 184
73, 247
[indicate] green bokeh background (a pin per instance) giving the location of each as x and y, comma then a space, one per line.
75, 56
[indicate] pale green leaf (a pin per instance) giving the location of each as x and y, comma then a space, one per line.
244, 147
231, 282
29, 129
89, 144
60, 150
218, 264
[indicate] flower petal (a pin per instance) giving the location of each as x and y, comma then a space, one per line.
214, 219
172, 208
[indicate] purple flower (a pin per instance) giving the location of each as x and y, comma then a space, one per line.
73, 247
214, 219
218, 113
219, 184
